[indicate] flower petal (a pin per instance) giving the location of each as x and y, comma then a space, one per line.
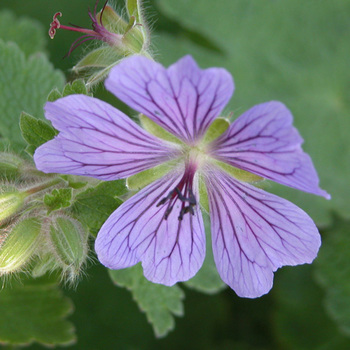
183, 99
264, 142
97, 140
171, 250
254, 233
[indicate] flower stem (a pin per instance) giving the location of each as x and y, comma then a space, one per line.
42, 186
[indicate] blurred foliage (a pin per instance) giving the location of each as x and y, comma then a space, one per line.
157, 301
333, 273
35, 311
300, 321
285, 50
24, 85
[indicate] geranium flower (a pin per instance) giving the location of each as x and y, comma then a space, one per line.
253, 232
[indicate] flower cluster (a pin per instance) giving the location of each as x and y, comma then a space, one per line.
253, 232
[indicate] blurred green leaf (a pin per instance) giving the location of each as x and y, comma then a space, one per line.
35, 311
159, 302
333, 272
207, 279
300, 320
58, 199
35, 131
24, 85
28, 34
93, 206
288, 51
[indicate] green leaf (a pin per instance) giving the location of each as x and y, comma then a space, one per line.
333, 272
58, 199
268, 63
35, 131
35, 311
76, 87
93, 206
300, 320
157, 301
207, 279
24, 85
28, 34
54, 95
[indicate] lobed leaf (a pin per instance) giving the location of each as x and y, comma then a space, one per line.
35, 132
35, 311
58, 199
160, 303
24, 86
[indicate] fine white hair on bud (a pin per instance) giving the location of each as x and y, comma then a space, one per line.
18, 244
10, 204
68, 241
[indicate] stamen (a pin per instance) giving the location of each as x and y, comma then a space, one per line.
183, 192
55, 24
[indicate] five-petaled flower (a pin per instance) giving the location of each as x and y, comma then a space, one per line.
253, 232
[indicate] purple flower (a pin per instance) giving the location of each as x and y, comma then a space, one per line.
253, 232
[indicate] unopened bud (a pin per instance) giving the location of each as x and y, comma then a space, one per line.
19, 245
43, 265
10, 204
10, 165
70, 243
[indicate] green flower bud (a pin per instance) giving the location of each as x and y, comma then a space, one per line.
10, 165
10, 203
18, 245
44, 265
69, 242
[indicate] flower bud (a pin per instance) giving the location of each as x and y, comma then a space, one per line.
43, 265
10, 165
69, 242
10, 203
18, 245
